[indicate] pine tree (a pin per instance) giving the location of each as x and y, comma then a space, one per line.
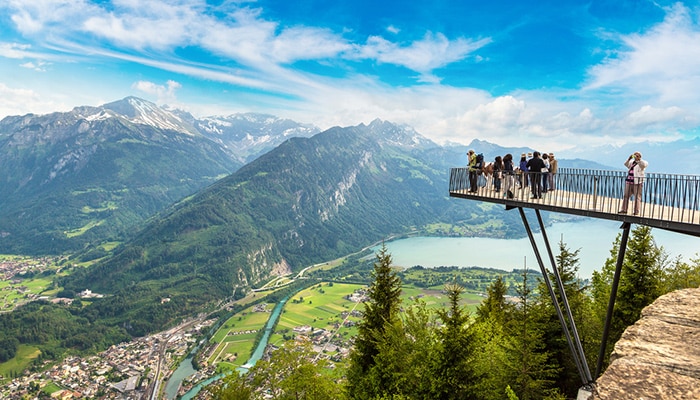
381, 310
640, 283
568, 379
681, 275
529, 371
406, 350
495, 304
453, 372
489, 341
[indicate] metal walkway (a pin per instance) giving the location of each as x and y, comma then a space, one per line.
670, 202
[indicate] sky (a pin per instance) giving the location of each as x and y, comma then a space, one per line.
569, 73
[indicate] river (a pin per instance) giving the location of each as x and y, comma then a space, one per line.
594, 237
186, 369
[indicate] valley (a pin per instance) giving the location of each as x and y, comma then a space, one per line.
324, 312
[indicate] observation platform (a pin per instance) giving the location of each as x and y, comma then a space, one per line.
670, 202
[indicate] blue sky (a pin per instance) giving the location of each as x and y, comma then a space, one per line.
571, 74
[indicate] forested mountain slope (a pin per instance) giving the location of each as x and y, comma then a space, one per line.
307, 201
76, 179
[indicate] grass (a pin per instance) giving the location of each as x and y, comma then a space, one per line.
51, 388
12, 294
25, 355
83, 229
231, 339
319, 307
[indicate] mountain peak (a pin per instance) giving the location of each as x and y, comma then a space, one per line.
402, 135
140, 111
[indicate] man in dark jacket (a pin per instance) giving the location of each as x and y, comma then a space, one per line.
535, 165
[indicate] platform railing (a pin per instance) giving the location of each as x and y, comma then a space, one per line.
667, 197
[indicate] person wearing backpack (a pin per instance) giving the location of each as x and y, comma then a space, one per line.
473, 170
535, 166
497, 173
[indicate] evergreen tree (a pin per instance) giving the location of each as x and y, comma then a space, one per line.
453, 372
681, 275
589, 329
381, 311
489, 343
640, 283
406, 349
527, 364
495, 304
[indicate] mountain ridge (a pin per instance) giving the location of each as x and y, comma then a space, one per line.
307, 201
75, 179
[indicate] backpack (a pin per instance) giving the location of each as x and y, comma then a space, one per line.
479, 161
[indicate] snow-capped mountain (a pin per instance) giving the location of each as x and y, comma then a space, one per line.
249, 135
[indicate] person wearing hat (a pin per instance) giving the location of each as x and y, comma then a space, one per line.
634, 181
471, 156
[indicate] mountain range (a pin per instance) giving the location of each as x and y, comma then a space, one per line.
307, 201
80, 178
198, 207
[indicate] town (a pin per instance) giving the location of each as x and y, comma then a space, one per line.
141, 368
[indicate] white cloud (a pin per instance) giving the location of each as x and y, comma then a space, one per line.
392, 29
661, 64
433, 51
16, 101
15, 50
39, 66
165, 93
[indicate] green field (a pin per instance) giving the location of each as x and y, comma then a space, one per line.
237, 335
25, 355
319, 307
322, 307
435, 299
12, 294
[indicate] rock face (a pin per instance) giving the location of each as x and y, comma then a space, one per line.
659, 356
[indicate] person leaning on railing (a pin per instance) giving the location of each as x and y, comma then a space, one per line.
634, 181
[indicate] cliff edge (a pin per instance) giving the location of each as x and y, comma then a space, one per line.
659, 356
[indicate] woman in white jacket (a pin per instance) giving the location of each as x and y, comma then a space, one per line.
634, 181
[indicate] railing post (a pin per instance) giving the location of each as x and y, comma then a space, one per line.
595, 192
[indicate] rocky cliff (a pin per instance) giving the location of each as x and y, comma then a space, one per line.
659, 356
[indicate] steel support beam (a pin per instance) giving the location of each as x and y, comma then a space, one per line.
613, 295
576, 349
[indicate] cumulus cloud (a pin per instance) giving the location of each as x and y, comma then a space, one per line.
165, 94
650, 84
662, 63
16, 101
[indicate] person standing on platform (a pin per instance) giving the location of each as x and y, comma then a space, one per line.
535, 166
553, 167
497, 173
508, 175
523, 171
471, 155
545, 172
634, 181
